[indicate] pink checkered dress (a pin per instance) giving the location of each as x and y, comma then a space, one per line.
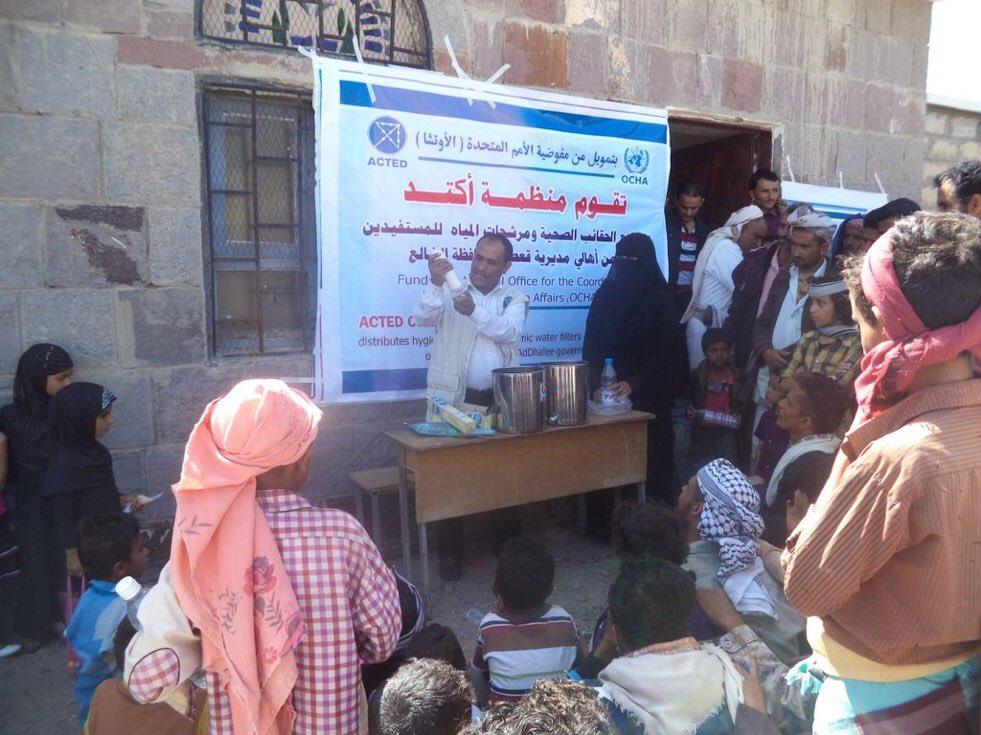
350, 606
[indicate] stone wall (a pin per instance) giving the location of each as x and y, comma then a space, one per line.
952, 136
101, 163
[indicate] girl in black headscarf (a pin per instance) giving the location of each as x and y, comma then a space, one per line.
42, 371
79, 480
632, 320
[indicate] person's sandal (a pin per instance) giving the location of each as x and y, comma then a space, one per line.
29, 646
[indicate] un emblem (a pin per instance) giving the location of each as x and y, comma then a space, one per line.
636, 159
387, 135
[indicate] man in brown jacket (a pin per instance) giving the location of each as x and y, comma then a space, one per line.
886, 563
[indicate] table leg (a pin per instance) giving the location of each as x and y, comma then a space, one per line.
424, 558
359, 505
376, 526
404, 516
641, 492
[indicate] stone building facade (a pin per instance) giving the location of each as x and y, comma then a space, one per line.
107, 190
953, 135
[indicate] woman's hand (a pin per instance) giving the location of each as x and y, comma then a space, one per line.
73, 563
135, 503
752, 691
623, 389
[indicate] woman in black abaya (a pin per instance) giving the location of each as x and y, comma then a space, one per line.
42, 371
632, 320
79, 481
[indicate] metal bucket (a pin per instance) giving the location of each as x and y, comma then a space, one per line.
519, 399
567, 392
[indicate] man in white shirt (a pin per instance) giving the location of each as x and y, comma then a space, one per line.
477, 331
712, 281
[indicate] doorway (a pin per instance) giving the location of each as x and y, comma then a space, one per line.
720, 156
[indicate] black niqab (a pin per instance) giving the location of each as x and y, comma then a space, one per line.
79, 462
633, 275
25, 421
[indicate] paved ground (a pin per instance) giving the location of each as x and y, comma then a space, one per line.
36, 691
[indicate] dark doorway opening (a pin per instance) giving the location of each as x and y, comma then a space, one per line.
722, 157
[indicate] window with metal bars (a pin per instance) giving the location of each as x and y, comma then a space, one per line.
259, 153
390, 31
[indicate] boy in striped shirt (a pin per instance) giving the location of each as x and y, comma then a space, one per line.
526, 638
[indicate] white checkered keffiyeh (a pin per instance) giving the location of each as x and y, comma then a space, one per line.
729, 514
731, 519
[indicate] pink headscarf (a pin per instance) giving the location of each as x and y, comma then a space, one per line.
889, 367
227, 570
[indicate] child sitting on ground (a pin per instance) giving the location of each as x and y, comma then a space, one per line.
110, 547
712, 388
424, 697
552, 707
525, 639
115, 712
667, 682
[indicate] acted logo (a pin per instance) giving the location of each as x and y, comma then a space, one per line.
387, 135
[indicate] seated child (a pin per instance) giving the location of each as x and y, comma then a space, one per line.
110, 547
832, 349
667, 682
721, 510
525, 639
552, 707
811, 413
424, 697
643, 531
712, 388
431, 641
115, 712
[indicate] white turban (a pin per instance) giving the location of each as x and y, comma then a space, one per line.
729, 231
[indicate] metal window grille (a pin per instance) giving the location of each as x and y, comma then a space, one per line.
259, 153
390, 31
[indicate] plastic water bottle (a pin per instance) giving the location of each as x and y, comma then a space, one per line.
608, 381
133, 592
453, 283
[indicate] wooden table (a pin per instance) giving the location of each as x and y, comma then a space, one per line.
458, 477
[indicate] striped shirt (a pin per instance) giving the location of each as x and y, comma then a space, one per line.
514, 655
837, 358
686, 259
889, 556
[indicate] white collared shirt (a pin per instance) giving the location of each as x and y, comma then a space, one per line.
493, 329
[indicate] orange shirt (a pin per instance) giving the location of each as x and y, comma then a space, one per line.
890, 556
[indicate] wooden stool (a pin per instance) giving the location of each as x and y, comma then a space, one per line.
374, 482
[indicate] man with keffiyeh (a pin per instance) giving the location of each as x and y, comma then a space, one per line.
722, 511
886, 562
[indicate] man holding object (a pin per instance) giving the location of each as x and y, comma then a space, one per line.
477, 331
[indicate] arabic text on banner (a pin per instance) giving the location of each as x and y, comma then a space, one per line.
433, 163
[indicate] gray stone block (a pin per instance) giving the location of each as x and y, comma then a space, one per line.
180, 395
161, 326
20, 246
155, 164
155, 95
175, 247
340, 450
9, 334
63, 72
49, 158
129, 468
93, 245
965, 126
133, 410
163, 469
8, 93
80, 320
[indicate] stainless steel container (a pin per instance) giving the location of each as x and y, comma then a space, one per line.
566, 392
519, 399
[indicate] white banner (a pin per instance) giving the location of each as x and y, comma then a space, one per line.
410, 162
839, 204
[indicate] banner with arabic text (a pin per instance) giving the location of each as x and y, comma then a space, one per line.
410, 162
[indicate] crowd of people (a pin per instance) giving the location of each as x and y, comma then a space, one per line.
808, 563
